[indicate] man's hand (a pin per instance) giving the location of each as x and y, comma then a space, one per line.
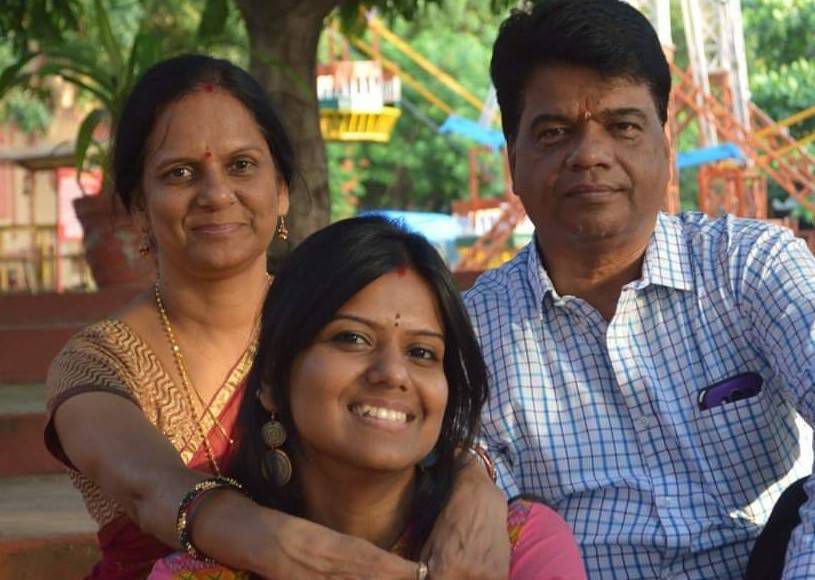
469, 540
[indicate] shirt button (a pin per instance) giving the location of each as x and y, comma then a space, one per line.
644, 422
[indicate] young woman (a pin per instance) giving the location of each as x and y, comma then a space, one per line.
367, 385
143, 405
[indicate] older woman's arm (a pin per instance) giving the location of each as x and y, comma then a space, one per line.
469, 539
110, 441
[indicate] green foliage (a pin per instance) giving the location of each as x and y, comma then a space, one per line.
420, 168
102, 47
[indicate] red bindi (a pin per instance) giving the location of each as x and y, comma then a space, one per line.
208, 87
207, 154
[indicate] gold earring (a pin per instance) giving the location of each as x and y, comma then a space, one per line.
276, 465
282, 230
144, 246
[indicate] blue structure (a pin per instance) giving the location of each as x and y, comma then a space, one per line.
471, 130
710, 155
440, 229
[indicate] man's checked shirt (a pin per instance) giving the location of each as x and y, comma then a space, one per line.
601, 419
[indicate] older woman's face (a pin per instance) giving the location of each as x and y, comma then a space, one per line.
212, 193
370, 393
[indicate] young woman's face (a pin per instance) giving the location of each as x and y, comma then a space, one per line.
371, 392
212, 193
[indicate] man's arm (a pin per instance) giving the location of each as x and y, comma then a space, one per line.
469, 540
778, 291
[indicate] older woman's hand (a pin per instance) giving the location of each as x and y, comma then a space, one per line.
470, 540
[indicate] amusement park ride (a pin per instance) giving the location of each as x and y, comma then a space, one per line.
739, 145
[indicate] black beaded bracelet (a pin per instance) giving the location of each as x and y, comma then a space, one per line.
183, 522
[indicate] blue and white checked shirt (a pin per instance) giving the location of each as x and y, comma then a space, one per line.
601, 420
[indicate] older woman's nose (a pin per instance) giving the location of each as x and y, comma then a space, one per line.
216, 190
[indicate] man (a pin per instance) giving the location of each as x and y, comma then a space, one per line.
645, 368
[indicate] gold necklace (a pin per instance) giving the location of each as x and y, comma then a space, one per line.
185, 379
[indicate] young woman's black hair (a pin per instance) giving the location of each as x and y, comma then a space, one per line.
167, 82
321, 275
610, 37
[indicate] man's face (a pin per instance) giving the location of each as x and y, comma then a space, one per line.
590, 159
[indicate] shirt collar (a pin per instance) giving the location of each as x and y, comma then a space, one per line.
667, 262
667, 259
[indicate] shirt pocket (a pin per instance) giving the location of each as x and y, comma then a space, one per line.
727, 436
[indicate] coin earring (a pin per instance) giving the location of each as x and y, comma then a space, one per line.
276, 465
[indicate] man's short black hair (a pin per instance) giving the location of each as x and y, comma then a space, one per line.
607, 36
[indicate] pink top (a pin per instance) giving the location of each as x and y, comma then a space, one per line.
543, 548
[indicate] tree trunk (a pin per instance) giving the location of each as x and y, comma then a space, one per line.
283, 37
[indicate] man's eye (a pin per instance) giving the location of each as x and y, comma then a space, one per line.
625, 129
551, 134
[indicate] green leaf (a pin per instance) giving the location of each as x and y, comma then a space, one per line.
12, 75
106, 33
84, 137
213, 19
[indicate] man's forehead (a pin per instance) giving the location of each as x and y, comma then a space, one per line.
573, 89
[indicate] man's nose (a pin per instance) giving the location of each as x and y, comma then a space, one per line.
592, 147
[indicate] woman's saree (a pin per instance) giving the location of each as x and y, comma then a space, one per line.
110, 357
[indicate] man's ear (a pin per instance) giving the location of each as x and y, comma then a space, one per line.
667, 144
511, 161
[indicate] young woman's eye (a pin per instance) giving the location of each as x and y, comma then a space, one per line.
422, 353
348, 337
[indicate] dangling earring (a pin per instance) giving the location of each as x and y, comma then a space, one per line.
276, 465
282, 230
144, 246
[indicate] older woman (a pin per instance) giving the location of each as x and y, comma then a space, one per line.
143, 405
355, 412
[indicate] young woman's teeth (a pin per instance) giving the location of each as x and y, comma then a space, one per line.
379, 413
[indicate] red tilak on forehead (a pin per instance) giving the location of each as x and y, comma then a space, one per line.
207, 154
401, 270
208, 87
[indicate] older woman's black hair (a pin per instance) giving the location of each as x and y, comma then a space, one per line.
607, 36
321, 275
167, 82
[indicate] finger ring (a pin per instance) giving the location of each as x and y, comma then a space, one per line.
421, 571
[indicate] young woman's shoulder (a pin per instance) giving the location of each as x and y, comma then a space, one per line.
543, 546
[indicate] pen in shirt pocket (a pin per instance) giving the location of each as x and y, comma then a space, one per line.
730, 390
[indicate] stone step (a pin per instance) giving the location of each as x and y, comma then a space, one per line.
25, 353
22, 420
45, 531
51, 309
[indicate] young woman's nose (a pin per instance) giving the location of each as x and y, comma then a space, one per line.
389, 369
